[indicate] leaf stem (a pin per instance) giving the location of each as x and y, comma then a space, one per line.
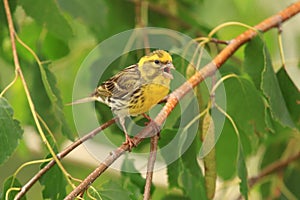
28, 95
61, 155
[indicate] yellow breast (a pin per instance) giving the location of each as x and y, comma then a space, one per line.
151, 94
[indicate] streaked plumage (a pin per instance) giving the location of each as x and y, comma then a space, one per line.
137, 88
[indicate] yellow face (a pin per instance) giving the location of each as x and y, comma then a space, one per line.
156, 67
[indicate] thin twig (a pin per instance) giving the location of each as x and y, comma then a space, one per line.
18, 69
61, 155
272, 168
150, 166
164, 12
180, 92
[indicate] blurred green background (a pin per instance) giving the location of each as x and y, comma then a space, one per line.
63, 32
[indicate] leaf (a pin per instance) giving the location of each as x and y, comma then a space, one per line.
174, 197
49, 82
290, 94
10, 131
91, 13
246, 107
111, 190
134, 176
191, 179
11, 182
259, 66
54, 183
174, 168
292, 180
54, 47
254, 60
48, 14
226, 152
242, 172
193, 187
183, 173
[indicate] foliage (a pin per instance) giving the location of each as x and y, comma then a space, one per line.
262, 112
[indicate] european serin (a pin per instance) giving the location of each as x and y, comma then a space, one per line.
137, 88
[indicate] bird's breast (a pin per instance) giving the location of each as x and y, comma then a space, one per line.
149, 96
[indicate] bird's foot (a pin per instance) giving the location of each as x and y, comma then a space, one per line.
153, 124
129, 141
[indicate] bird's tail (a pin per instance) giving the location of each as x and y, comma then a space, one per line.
83, 100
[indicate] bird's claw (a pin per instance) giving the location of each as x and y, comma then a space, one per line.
129, 141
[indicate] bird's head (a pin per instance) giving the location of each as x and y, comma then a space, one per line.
157, 66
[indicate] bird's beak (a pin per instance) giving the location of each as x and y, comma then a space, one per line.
167, 70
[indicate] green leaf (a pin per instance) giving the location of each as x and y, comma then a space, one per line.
183, 173
11, 182
89, 12
292, 180
290, 94
48, 14
259, 67
54, 47
54, 183
191, 179
133, 179
193, 187
111, 190
174, 197
10, 131
175, 167
49, 82
246, 107
226, 152
242, 172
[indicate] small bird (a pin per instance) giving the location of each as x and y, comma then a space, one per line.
135, 89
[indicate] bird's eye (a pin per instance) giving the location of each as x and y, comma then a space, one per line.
156, 62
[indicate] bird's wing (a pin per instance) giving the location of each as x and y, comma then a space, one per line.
121, 85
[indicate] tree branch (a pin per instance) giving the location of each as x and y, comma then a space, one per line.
60, 156
150, 166
274, 167
151, 129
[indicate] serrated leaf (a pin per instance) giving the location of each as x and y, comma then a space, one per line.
254, 60
88, 11
174, 197
111, 190
134, 176
54, 183
11, 182
290, 94
191, 179
49, 82
245, 105
10, 130
175, 167
292, 180
193, 187
226, 152
48, 14
54, 47
179, 170
258, 65
242, 172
